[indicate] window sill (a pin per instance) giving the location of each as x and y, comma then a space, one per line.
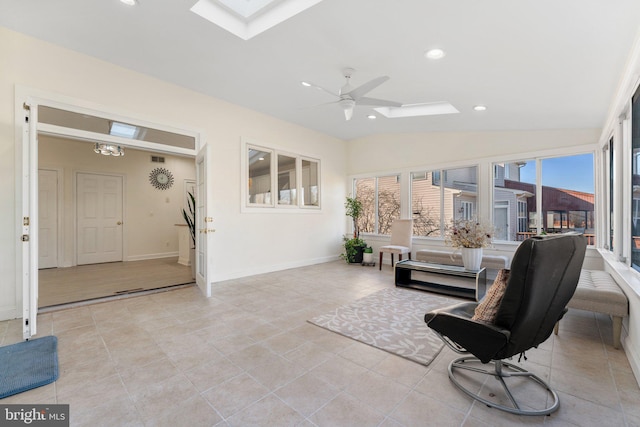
627, 277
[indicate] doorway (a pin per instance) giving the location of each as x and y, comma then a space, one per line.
121, 233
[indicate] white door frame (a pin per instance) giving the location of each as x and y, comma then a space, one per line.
26, 180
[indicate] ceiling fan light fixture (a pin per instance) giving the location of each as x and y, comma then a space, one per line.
436, 53
347, 105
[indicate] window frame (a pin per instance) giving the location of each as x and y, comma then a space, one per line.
376, 199
539, 214
274, 206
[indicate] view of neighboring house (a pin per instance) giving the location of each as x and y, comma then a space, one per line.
437, 197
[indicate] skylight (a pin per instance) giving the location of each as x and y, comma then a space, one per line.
246, 8
248, 18
415, 110
123, 130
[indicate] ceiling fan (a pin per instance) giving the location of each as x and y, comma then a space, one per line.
350, 97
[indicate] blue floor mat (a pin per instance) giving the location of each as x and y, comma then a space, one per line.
27, 365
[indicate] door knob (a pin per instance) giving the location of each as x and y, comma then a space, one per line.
119, 223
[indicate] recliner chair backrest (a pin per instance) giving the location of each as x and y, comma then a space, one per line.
544, 275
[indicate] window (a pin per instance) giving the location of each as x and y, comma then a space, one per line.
380, 199
611, 175
310, 182
567, 198
425, 203
635, 180
281, 180
443, 195
287, 180
514, 200
259, 176
523, 225
466, 210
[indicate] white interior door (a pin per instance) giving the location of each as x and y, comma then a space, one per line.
204, 233
47, 218
99, 218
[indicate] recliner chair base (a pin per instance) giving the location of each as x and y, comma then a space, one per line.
500, 373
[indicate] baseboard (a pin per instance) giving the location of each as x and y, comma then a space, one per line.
9, 313
632, 357
272, 268
152, 256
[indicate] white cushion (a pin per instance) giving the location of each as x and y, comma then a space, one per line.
395, 249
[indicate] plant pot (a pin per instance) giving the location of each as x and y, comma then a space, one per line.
357, 258
471, 258
367, 257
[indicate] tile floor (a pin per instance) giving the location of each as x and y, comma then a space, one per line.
248, 357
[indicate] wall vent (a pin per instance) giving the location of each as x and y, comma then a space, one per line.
157, 159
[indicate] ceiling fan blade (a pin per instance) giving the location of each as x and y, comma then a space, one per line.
360, 91
315, 86
378, 102
321, 105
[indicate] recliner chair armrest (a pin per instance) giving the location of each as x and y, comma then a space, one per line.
483, 340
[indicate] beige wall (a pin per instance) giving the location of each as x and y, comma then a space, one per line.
244, 243
438, 149
150, 214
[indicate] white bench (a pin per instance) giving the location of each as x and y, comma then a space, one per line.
490, 262
598, 292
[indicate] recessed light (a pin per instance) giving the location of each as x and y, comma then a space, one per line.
480, 107
306, 84
435, 54
372, 117
129, 2
260, 158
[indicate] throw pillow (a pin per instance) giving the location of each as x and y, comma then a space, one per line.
487, 310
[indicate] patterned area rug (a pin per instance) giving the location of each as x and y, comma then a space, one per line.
391, 320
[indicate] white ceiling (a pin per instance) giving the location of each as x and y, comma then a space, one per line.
536, 64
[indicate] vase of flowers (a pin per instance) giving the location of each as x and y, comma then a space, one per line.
470, 236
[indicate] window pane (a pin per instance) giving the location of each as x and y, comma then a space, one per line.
310, 183
388, 202
259, 177
287, 180
635, 181
425, 203
366, 193
567, 198
611, 175
460, 189
514, 200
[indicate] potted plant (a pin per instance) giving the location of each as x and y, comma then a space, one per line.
367, 256
353, 247
190, 219
353, 208
470, 236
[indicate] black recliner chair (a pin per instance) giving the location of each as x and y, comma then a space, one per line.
544, 275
